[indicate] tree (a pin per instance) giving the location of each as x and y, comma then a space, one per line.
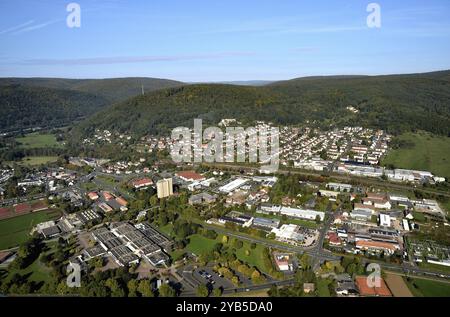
202, 291
132, 286
305, 261
153, 201
318, 219
225, 239
238, 244
115, 287
217, 292
166, 290
256, 276
145, 288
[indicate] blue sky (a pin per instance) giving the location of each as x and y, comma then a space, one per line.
199, 40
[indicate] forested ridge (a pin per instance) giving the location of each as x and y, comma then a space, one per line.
396, 103
49, 102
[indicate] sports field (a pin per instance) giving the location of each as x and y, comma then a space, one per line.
422, 151
14, 231
36, 140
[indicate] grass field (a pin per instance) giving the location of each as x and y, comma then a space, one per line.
428, 152
428, 288
14, 231
36, 271
38, 160
167, 229
435, 267
36, 140
199, 244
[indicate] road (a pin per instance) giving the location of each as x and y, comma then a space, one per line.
318, 254
314, 251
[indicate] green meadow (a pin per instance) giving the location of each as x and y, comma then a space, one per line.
36, 140
422, 151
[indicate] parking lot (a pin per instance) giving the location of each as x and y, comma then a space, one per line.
193, 277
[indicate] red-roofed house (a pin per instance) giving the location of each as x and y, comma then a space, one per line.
190, 176
377, 246
93, 196
107, 196
122, 201
334, 238
141, 183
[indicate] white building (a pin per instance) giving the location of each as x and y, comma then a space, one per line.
288, 233
385, 220
233, 185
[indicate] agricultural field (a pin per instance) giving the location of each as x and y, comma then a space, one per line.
14, 231
428, 288
36, 140
421, 151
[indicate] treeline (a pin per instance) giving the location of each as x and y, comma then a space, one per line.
17, 153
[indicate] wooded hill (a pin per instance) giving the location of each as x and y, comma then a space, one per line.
395, 103
32, 102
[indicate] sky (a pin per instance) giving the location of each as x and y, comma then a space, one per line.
226, 40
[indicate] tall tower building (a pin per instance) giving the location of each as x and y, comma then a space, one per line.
164, 188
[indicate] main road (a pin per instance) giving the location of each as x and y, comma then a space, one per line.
317, 253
